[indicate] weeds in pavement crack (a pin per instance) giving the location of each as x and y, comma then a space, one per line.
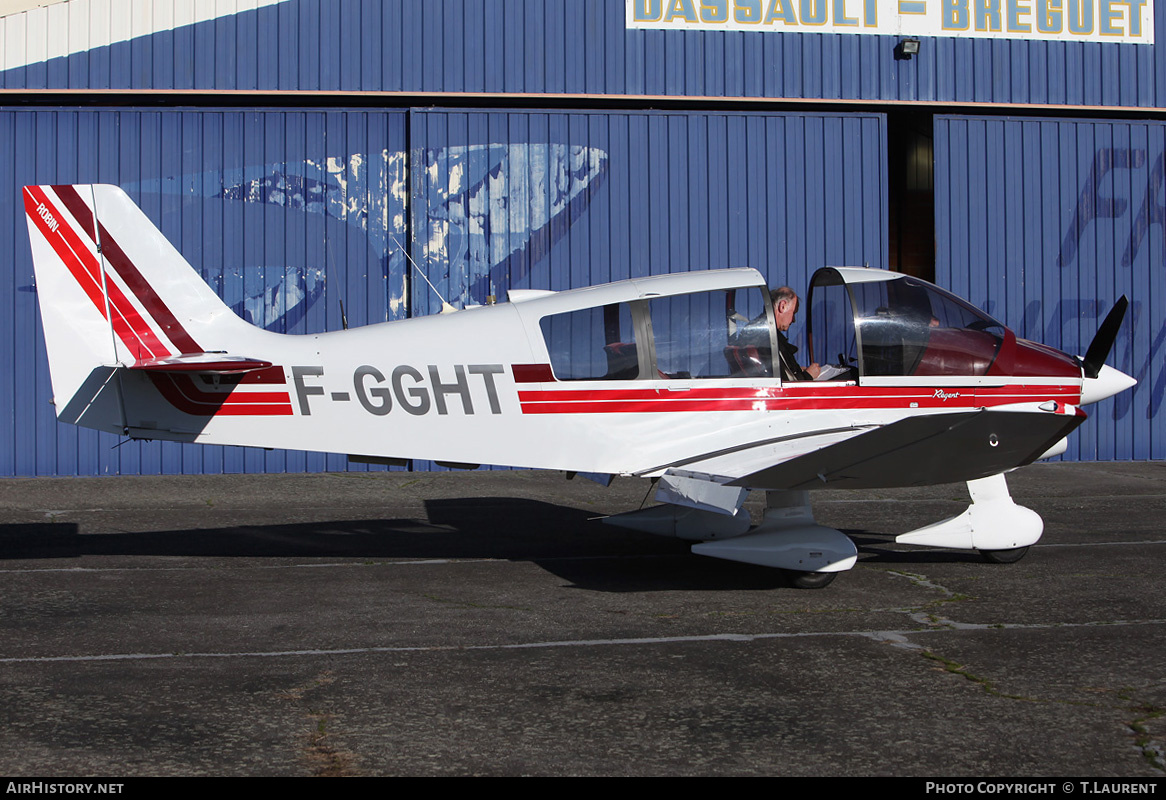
958, 669
1151, 751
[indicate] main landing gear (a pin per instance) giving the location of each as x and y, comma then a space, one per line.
812, 555
788, 538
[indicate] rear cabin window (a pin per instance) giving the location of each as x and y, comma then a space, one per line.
720, 334
595, 344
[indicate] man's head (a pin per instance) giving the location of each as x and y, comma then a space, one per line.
785, 306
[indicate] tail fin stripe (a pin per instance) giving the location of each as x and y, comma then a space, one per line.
134, 332
82, 275
138, 339
129, 273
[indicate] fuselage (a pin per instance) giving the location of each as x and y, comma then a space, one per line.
635, 377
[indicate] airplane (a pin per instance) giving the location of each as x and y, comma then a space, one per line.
669, 377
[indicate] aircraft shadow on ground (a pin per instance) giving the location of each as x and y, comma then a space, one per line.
567, 542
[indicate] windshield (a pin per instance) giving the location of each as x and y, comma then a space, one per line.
899, 327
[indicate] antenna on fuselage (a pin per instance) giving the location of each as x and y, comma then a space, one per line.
327, 272
446, 308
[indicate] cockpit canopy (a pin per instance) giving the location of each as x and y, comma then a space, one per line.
863, 324
883, 323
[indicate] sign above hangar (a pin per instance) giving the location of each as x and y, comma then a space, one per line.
1112, 21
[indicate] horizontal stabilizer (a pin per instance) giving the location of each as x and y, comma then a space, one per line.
214, 363
923, 451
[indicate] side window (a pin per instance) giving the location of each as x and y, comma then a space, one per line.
593, 344
720, 334
832, 326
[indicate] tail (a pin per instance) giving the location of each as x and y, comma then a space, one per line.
117, 297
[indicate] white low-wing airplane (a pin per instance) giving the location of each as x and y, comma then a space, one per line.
670, 377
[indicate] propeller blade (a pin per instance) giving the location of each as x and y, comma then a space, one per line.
1103, 342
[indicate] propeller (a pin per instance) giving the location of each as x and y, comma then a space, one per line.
1103, 342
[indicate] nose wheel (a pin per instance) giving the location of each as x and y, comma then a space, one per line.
1010, 556
993, 524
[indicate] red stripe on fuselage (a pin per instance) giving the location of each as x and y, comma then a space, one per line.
269, 375
792, 398
182, 393
189, 389
532, 373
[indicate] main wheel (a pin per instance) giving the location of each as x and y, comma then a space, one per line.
1003, 556
810, 580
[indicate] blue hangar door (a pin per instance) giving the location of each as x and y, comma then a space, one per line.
287, 214
536, 200
1044, 224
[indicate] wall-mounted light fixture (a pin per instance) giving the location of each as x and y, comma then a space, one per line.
906, 48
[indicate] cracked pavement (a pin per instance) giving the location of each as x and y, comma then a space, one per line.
484, 623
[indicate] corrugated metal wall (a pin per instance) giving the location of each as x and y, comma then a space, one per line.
286, 213
290, 213
1044, 224
540, 46
552, 201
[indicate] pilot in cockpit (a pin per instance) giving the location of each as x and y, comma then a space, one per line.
785, 309
755, 335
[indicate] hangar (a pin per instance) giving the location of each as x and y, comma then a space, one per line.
314, 157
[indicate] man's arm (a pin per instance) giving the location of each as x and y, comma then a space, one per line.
790, 369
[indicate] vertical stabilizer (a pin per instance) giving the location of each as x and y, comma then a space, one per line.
114, 293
